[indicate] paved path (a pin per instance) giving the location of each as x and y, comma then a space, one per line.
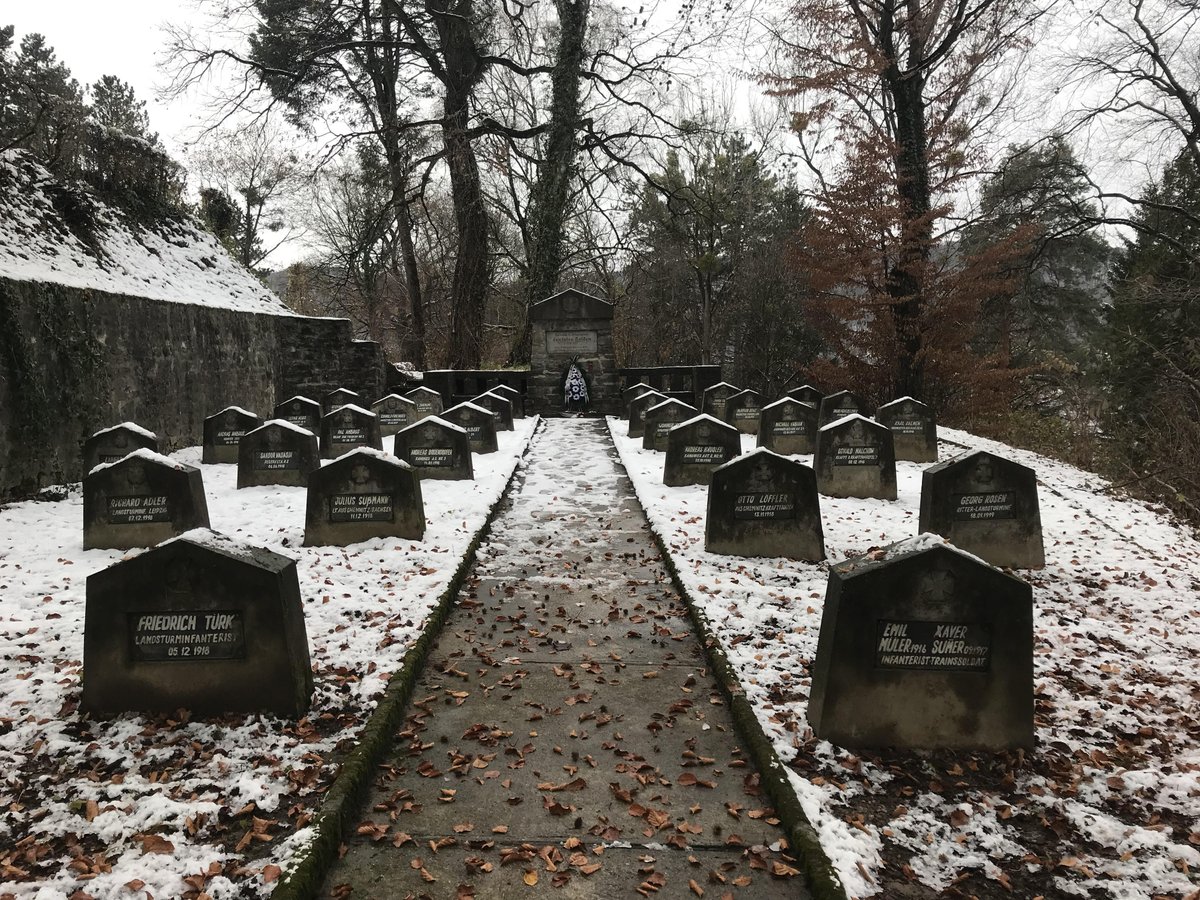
566, 739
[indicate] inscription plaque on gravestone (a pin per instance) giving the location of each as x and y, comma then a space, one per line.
628, 395
922, 646
788, 426
838, 406
806, 393
713, 401
429, 401
479, 423
914, 429
223, 431
764, 504
500, 407
301, 412
436, 449
112, 444
637, 411
854, 458
348, 427
571, 343
201, 623
141, 500
697, 447
394, 412
278, 452
659, 419
987, 505
362, 495
339, 397
742, 411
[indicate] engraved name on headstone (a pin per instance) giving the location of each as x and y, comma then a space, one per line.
788, 426
697, 447
141, 500
301, 412
713, 401
854, 458
436, 449
222, 433
742, 411
364, 494
914, 429
348, 427
429, 401
839, 405
394, 412
659, 419
479, 424
277, 452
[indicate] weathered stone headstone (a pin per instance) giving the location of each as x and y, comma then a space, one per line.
348, 427
855, 459
339, 397
806, 393
629, 394
141, 500
697, 447
115, 443
742, 411
513, 396
660, 419
501, 409
429, 401
572, 327
362, 495
479, 424
923, 647
838, 406
436, 449
788, 426
201, 623
301, 412
986, 505
277, 452
764, 504
394, 412
914, 429
223, 431
713, 401
637, 411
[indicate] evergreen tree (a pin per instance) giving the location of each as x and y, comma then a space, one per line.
115, 105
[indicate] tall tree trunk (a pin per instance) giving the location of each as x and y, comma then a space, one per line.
412, 284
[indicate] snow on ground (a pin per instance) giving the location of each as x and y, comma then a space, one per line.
1113, 788
178, 262
216, 806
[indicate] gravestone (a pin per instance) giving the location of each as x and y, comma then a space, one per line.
986, 505
301, 412
141, 500
660, 419
394, 412
500, 407
514, 396
854, 458
202, 623
788, 426
712, 403
838, 406
429, 401
924, 647
572, 326
697, 447
637, 411
806, 393
742, 411
223, 431
277, 452
479, 423
914, 429
111, 444
348, 427
764, 504
362, 495
339, 397
436, 449
628, 395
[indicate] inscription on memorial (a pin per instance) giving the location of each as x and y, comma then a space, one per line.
908, 426
229, 436
761, 505
571, 342
856, 456
276, 460
350, 435
432, 456
975, 507
387, 419
134, 510
169, 637
841, 412
300, 421
360, 507
704, 454
935, 646
787, 428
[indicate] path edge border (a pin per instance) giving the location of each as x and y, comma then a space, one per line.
818, 870
349, 786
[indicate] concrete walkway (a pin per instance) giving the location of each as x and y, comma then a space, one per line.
566, 738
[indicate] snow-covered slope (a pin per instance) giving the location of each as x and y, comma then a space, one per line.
177, 262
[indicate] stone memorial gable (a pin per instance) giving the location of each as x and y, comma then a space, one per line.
637, 411
479, 423
696, 447
764, 504
713, 401
788, 426
838, 406
277, 452
394, 412
922, 646
571, 326
202, 623
301, 412
428, 401
500, 407
986, 505
436, 449
854, 458
628, 395
914, 429
515, 397
117, 442
339, 397
348, 427
806, 393
660, 418
223, 432
141, 500
742, 411
362, 495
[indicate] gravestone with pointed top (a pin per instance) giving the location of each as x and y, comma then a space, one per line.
277, 452
838, 406
394, 412
479, 423
742, 411
697, 447
362, 495
436, 449
348, 427
141, 500
659, 419
111, 444
806, 393
301, 412
914, 429
429, 401
513, 396
339, 397
712, 402
501, 409
637, 411
222, 433
628, 395
854, 458
788, 426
